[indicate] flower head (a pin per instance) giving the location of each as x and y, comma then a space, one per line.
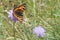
10, 15
39, 31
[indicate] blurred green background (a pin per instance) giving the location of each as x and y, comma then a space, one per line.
38, 12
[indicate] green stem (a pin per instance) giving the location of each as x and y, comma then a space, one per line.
14, 30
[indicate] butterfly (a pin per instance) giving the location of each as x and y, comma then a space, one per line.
18, 12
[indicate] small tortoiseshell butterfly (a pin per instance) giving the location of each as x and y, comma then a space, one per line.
18, 12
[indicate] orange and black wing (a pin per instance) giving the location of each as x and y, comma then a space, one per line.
18, 12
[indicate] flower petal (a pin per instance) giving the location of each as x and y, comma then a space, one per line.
10, 15
39, 31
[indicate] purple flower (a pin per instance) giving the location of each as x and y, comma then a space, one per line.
10, 15
39, 31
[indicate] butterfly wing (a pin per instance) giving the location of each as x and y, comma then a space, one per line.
18, 12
